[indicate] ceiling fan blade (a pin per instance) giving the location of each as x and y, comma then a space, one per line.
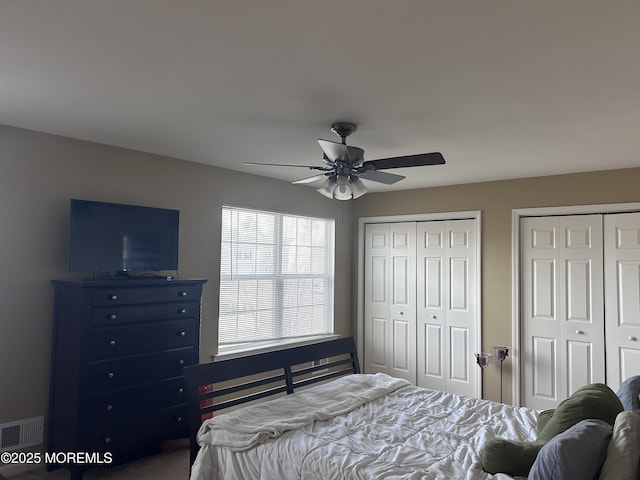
335, 152
381, 177
312, 167
356, 156
322, 176
419, 160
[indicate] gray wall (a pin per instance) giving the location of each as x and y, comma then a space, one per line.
39, 173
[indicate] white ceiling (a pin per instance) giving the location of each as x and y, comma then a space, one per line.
503, 88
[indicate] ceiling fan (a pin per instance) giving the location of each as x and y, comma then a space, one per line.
345, 166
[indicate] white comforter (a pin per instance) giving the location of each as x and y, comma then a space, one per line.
358, 427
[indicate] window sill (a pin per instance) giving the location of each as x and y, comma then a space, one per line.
245, 350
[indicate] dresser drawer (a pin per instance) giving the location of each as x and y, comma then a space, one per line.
149, 429
134, 295
105, 375
131, 403
114, 315
111, 342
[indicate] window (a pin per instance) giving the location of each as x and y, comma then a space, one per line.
276, 276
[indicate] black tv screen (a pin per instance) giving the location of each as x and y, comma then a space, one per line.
112, 237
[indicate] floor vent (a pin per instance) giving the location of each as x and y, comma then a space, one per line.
20, 434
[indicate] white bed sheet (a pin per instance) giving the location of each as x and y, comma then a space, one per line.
409, 433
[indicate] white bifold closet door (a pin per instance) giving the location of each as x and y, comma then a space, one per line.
562, 307
622, 296
580, 318
446, 263
390, 299
420, 303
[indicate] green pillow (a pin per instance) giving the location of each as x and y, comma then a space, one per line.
543, 419
591, 401
594, 401
507, 456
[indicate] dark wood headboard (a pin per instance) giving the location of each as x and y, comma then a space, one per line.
224, 384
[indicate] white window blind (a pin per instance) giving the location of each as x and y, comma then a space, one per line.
276, 276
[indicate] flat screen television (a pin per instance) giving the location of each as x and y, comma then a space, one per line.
116, 238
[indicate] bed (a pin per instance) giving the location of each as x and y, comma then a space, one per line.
246, 422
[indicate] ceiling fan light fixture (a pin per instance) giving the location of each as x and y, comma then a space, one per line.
343, 189
357, 187
328, 187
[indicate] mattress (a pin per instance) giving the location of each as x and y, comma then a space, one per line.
359, 427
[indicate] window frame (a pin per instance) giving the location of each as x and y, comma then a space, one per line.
230, 238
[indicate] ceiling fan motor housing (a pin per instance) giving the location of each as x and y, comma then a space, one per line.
343, 129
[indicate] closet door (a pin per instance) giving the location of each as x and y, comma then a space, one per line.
562, 307
622, 296
446, 308
390, 299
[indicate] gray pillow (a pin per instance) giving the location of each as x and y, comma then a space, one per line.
623, 453
629, 394
578, 452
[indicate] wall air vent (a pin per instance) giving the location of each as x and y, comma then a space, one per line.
20, 434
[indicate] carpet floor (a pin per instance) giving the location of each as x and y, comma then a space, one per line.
172, 463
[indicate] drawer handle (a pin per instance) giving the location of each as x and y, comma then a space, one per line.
178, 419
112, 343
109, 408
113, 297
110, 375
180, 391
579, 332
182, 294
112, 316
182, 311
181, 362
633, 339
182, 333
